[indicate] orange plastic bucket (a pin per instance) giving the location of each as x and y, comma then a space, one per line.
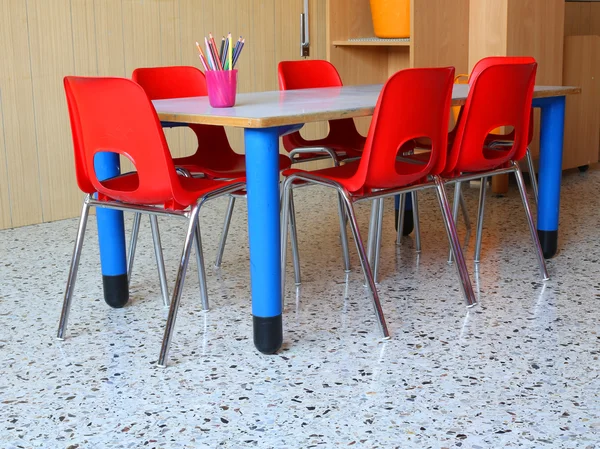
391, 18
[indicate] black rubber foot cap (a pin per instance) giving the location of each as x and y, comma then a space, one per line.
116, 290
549, 243
408, 222
268, 333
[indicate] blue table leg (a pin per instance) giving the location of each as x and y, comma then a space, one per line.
111, 237
262, 171
550, 171
408, 224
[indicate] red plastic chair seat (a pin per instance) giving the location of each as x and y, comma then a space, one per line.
193, 188
345, 174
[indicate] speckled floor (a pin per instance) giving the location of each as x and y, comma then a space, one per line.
519, 370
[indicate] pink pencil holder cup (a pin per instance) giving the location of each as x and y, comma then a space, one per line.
222, 86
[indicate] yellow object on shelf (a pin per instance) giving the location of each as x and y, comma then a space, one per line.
391, 18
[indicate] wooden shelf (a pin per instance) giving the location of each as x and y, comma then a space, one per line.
372, 42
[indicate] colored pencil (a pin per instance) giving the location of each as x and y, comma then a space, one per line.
209, 54
222, 48
201, 56
224, 54
216, 52
230, 57
241, 46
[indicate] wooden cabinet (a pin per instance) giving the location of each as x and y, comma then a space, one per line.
582, 121
439, 37
519, 28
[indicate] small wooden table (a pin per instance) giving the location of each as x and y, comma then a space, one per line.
265, 116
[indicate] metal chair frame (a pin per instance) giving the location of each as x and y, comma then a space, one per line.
348, 201
193, 235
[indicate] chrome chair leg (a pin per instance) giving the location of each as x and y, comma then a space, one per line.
294, 239
201, 269
362, 255
178, 288
465, 211
480, 215
160, 261
378, 239
532, 229
400, 219
64, 316
457, 196
461, 266
534, 184
372, 236
225, 231
132, 244
285, 214
415, 205
344, 235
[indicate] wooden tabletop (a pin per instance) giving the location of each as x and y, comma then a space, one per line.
278, 108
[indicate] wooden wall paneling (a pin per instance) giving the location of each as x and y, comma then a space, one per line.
582, 121
141, 42
18, 116
5, 218
52, 57
170, 54
449, 44
487, 29
83, 23
110, 48
192, 15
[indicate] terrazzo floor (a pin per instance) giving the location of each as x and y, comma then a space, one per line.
518, 370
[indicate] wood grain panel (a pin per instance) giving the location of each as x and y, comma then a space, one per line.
357, 65
5, 215
20, 141
582, 18
170, 55
449, 44
582, 121
83, 27
51, 58
487, 29
110, 51
535, 29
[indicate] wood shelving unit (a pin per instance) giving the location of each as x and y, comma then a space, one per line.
439, 37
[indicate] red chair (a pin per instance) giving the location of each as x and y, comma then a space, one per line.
114, 114
214, 157
500, 95
413, 103
343, 141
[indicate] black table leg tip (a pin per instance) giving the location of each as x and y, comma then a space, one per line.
116, 290
268, 334
549, 243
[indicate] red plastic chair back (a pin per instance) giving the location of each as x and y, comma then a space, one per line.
312, 74
161, 83
115, 115
413, 103
493, 60
500, 94
83, 179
